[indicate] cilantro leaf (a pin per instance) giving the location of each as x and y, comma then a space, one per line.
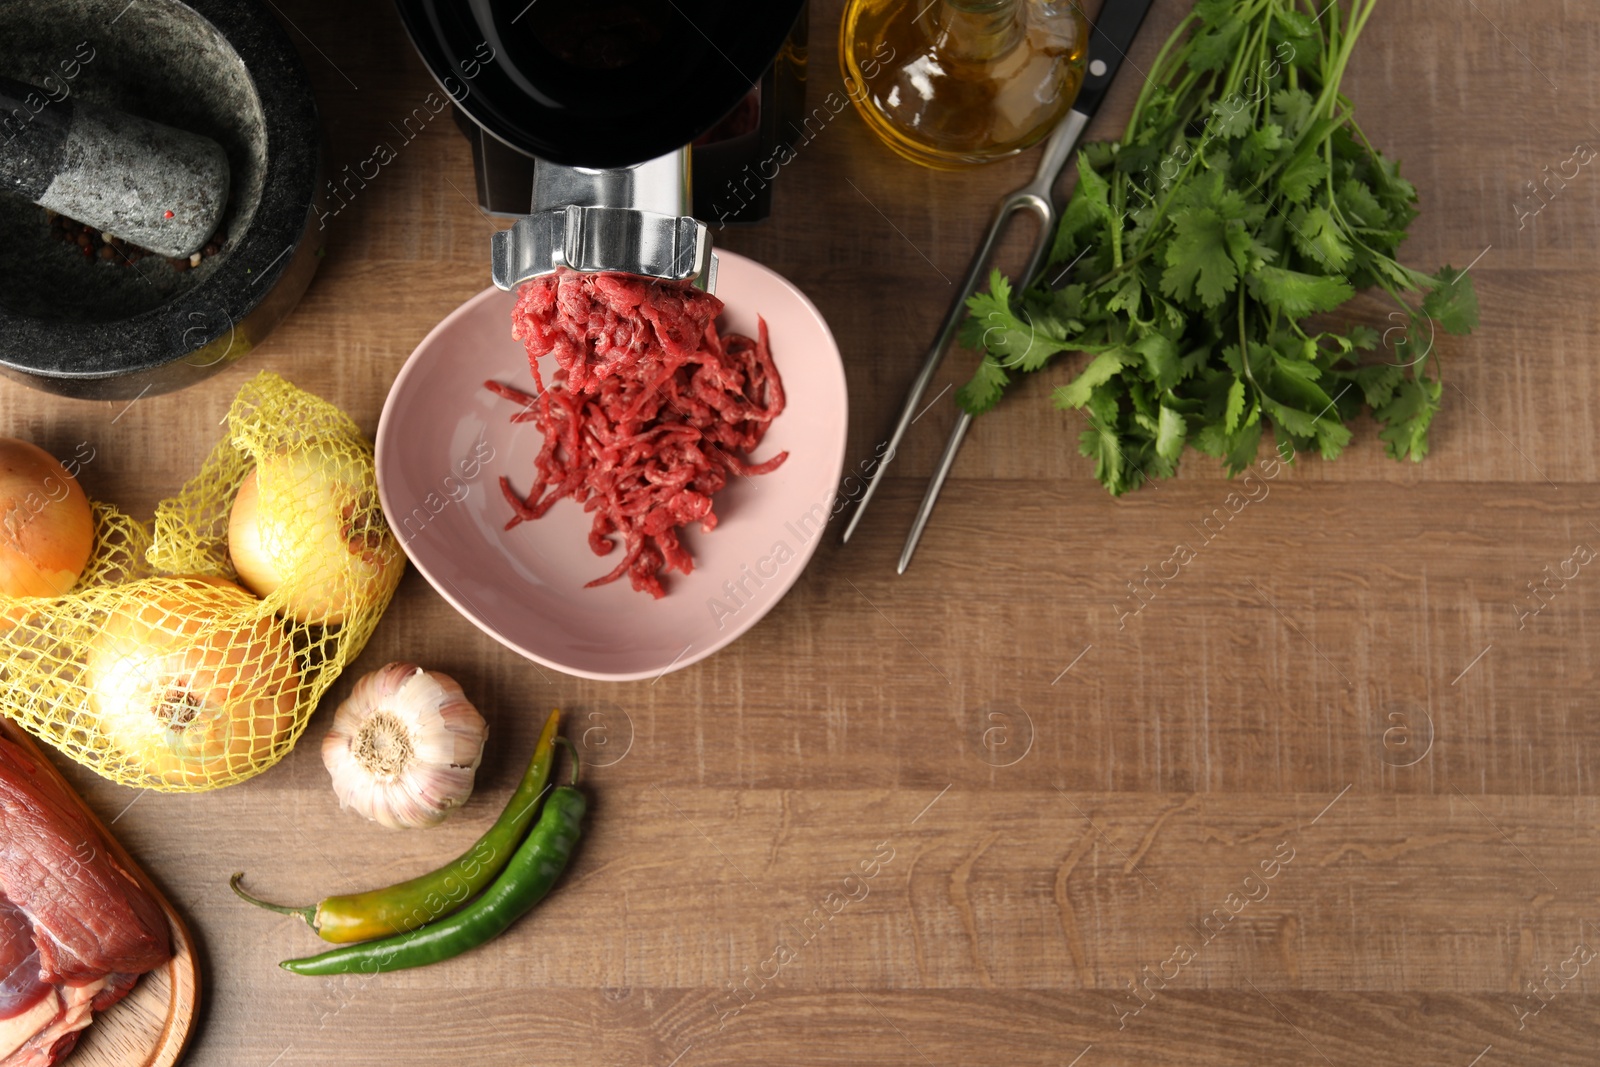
1102, 446
1215, 12
1297, 24
1094, 189
1128, 294
1170, 434
1242, 448
1016, 341
983, 391
987, 311
1453, 303
1101, 369
1102, 443
1291, 107
1297, 422
1008, 341
1396, 193
1211, 439
1378, 382
1235, 409
1406, 418
1359, 205
1213, 47
1198, 260
1297, 294
1260, 144
1160, 359
1304, 173
1363, 337
1231, 117
1317, 236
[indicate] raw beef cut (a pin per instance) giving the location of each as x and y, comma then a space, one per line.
76, 930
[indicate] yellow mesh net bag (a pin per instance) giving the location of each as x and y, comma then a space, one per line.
162, 668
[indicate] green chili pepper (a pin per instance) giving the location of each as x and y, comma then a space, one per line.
409, 905
525, 881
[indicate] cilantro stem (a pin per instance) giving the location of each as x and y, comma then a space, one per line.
1106, 277
1244, 348
1119, 205
1158, 76
1250, 44
1360, 12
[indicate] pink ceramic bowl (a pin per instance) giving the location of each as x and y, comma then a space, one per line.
444, 441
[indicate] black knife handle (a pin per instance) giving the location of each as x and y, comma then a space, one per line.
1109, 42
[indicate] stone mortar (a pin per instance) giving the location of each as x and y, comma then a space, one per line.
222, 68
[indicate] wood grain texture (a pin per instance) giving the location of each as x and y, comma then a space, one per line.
1070, 788
151, 1026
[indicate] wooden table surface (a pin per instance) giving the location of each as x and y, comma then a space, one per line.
1055, 805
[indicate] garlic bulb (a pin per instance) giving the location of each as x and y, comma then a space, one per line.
404, 747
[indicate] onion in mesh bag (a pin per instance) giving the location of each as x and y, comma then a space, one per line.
189, 681
306, 526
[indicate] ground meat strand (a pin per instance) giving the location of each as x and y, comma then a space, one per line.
648, 412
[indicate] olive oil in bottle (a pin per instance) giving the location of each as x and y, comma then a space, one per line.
956, 83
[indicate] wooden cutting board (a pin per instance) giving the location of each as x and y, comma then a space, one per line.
151, 1025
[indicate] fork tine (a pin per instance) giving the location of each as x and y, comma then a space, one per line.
930, 496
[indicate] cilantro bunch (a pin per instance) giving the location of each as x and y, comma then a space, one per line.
1199, 252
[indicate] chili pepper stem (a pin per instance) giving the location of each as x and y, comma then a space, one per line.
572, 751
309, 914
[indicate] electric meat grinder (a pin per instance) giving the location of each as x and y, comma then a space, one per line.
588, 117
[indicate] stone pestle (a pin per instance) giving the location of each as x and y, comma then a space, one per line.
151, 185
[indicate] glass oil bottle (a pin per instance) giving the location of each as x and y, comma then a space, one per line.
956, 83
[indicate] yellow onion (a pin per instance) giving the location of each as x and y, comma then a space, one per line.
187, 685
306, 527
404, 747
46, 527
